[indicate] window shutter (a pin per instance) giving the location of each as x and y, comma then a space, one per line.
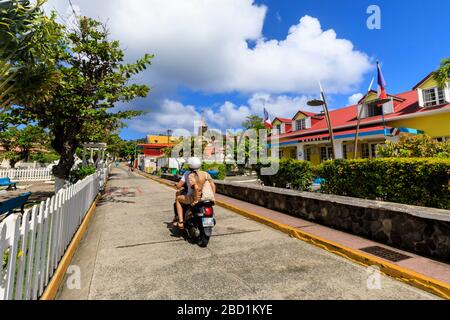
283, 128
420, 95
358, 110
447, 92
308, 122
294, 127
365, 111
388, 107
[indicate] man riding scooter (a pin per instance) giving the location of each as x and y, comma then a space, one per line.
192, 183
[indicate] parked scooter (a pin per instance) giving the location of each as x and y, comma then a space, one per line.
199, 221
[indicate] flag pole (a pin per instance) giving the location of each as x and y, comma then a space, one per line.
355, 151
327, 117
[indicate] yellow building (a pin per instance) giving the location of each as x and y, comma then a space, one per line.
156, 139
424, 109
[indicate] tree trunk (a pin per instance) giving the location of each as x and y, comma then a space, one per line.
66, 149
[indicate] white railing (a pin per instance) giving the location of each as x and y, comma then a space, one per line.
29, 174
33, 244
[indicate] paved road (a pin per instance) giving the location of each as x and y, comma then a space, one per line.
129, 252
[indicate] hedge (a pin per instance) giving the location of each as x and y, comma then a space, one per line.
292, 174
415, 181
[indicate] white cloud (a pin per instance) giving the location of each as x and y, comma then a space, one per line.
175, 115
354, 99
202, 45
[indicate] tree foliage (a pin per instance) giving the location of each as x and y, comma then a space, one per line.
417, 146
28, 41
443, 73
92, 79
21, 144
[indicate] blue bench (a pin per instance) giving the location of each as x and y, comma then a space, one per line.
214, 173
7, 207
6, 182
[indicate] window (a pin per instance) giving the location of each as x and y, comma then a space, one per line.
308, 154
433, 97
373, 150
326, 153
300, 124
278, 127
344, 151
374, 110
365, 151
369, 150
294, 153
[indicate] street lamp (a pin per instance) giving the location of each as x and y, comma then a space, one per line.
169, 132
320, 103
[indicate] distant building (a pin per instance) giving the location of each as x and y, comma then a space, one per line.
424, 109
152, 150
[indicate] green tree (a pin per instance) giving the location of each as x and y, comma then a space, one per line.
28, 39
129, 150
19, 143
254, 122
417, 146
92, 79
443, 73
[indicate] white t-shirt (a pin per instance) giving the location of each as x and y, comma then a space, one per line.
185, 179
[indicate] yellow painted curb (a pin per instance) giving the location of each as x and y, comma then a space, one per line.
52, 288
410, 277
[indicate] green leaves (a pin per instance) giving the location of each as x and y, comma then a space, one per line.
443, 73
84, 80
416, 181
292, 174
417, 146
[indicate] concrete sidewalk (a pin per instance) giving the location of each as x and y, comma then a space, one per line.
130, 252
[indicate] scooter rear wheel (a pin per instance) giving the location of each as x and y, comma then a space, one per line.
203, 241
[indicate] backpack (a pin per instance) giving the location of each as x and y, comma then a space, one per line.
202, 187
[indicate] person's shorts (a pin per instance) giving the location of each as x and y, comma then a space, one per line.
185, 199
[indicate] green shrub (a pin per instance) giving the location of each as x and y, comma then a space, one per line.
293, 174
415, 181
415, 146
81, 172
44, 157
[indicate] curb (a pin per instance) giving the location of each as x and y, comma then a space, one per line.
52, 289
410, 277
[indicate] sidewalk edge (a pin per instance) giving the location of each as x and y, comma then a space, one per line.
52, 288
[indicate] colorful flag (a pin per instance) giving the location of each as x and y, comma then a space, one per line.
267, 122
381, 84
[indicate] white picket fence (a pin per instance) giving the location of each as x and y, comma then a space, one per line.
29, 174
32, 245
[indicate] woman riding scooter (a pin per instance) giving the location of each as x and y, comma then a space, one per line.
193, 194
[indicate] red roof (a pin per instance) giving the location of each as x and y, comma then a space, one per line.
346, 117
155, 145
284, 120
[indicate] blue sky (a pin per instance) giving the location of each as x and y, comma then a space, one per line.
203, 63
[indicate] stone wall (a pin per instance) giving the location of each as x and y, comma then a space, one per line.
425, 231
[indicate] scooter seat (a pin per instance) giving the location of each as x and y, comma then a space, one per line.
205, 203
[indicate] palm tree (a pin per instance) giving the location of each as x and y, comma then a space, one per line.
443, 73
